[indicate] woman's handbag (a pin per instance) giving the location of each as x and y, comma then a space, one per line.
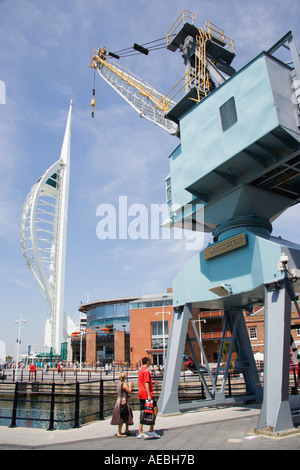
124, 411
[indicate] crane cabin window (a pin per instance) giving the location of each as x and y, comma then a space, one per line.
228, 114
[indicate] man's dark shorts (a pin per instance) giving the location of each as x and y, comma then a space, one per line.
143, 401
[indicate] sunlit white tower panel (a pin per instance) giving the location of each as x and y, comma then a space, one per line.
43, 234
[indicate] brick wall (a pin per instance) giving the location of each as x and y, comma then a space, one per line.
119, 346
140, 330
90, 348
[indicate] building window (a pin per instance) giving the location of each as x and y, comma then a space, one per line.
298, 331
115, 314
169, 192
228, 114
150, 304
253, 332
158, 335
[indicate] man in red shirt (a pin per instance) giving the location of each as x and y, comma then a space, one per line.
145, 392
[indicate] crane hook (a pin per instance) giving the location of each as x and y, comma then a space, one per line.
93, 103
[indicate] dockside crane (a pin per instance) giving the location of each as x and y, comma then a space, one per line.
243, 169
207, 54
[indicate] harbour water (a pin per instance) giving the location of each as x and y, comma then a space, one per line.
34, 411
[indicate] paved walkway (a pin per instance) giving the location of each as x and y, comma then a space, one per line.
214, 428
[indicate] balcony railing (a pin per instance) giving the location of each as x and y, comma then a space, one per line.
215, 334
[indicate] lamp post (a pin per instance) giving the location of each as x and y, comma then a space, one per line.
20, 321
81, 334
163, 330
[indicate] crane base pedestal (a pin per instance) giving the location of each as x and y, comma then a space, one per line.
236, 280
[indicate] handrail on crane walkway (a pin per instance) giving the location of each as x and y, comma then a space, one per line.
182, 18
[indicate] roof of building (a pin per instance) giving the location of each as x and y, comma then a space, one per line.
97, 303
85, 307
145, 298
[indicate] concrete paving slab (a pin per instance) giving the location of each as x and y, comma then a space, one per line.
215, 428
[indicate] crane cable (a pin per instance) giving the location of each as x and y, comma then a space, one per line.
130, 51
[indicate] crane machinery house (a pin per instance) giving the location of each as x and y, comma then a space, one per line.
229, 139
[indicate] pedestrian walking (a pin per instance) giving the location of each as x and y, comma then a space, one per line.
122, 413
59, 369
32, 370
145, 393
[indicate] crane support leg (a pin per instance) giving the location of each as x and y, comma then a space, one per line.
245, 360
168, 402
275, 412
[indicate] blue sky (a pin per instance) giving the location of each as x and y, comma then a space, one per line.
44, 54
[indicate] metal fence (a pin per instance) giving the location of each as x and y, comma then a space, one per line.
64, 375
63, 405
51, 405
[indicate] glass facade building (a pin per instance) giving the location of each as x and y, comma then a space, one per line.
129, 327
113, 316
108, 314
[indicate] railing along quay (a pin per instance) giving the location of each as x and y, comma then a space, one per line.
40, 403
66, 375
63, 405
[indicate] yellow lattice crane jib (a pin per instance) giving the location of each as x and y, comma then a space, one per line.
210, 50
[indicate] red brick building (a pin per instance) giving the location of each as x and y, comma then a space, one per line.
150, 322
140, 326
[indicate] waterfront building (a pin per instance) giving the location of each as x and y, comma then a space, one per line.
123, 330
106, 338
150, 323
